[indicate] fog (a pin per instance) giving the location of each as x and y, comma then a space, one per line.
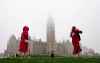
84, 14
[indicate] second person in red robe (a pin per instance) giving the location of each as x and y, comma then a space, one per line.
75, 35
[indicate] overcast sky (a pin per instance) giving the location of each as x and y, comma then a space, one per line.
84, 14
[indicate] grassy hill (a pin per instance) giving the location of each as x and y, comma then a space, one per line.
47, 59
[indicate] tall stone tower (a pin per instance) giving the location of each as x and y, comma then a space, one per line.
50, 35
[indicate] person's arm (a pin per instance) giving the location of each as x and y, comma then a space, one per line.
22, 37
80, 32
70, 34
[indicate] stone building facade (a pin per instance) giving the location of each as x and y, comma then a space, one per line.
39, 47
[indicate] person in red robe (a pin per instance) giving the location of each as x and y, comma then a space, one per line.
23, 46
75, 35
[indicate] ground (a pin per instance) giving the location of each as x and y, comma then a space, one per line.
47, 59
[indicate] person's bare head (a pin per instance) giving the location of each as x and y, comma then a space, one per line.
73, 28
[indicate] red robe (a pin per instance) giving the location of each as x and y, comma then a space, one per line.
23, 47
75, 42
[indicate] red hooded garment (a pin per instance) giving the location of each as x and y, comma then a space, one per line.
23, 46
75, 41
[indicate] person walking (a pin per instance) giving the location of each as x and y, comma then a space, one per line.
75, 35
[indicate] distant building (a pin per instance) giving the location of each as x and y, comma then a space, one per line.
12, 46
88, 51
51, 36
39, 47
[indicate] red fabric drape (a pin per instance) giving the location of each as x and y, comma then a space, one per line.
75, 42
23, 46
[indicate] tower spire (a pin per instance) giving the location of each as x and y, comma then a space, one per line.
50, 35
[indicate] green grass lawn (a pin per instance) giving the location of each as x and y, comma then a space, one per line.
47, 59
